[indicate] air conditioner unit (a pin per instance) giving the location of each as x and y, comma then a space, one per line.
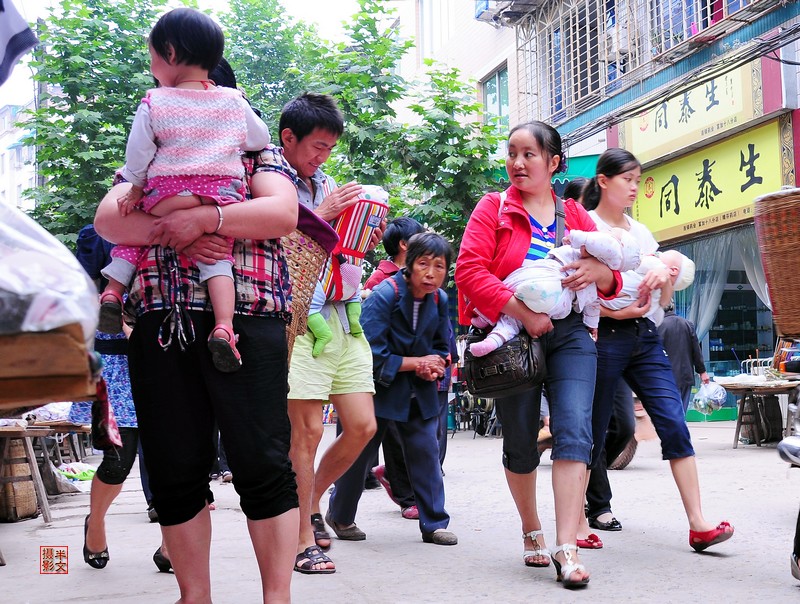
617, 42
488, 11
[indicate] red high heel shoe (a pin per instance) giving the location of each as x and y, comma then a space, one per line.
703, 540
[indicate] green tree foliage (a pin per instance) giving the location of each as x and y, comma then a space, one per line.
436, 168
449, 152
362, 76
269, 54
94, 61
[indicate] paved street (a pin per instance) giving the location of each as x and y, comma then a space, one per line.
649, 561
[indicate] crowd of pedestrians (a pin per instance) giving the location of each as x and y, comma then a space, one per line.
209, 294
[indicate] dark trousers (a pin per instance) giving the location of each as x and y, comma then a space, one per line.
797, 537
396, 469
620, 431
632, 349
179, 396
441, 433
148, 494
418, 438
118, 461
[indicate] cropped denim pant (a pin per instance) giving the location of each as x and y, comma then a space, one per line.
633, 349
571, 360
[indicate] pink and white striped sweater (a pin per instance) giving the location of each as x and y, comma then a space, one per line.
186, 132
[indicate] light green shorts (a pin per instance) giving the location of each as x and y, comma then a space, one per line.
343, 367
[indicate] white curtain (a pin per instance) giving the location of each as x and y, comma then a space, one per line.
747, 244
712, 258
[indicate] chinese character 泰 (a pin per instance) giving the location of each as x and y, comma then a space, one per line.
708, 190
686, 109
752, 179
668, 191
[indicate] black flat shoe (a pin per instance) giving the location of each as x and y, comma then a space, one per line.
611, 525
162, 562
95, 560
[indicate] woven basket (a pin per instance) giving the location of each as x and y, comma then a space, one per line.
305, 257
17, 499
777, 221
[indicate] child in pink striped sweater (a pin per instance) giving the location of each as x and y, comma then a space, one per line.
184, 149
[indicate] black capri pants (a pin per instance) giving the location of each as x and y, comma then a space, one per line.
118, 461
179, 395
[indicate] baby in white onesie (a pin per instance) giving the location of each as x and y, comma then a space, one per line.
538, 285
681, 273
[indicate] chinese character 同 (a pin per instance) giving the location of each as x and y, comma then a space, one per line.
752, 179
661, 116
707, 187
669, 190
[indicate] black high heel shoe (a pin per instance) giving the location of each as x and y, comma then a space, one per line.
162, 562
95, 560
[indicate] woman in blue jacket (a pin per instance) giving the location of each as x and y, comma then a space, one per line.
406, 322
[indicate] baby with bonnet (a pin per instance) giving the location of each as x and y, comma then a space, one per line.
538, 284
681, 274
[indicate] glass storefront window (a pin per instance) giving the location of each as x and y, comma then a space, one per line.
742, 328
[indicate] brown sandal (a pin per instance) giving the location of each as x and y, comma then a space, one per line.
320, 532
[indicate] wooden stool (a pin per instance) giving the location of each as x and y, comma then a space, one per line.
748, 415
25, 435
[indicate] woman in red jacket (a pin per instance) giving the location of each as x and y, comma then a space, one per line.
505, 232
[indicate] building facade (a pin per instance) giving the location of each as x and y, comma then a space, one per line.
704, 93
17, 161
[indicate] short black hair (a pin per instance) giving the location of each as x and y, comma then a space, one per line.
194, 36
399, 229
223, 74
309, 111
428, 244
575, 187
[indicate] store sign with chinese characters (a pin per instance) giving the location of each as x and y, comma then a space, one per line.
712, 187
724, 103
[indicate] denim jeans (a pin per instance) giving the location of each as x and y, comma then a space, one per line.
571, 361
620, 431
633, 349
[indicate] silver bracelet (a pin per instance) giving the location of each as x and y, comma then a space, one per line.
221, 219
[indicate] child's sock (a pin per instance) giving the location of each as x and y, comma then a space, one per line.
321, 331
353, 312
484, 347
480, 321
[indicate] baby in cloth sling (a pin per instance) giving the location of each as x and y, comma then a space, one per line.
681, 274
539, 287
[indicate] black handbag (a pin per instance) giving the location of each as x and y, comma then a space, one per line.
514, 368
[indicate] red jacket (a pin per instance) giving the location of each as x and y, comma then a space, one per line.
494, 244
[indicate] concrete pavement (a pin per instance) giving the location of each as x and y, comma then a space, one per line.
650, 560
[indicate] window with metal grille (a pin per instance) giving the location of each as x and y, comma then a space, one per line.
576, 53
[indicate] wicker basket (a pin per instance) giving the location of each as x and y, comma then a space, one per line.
17, 499
306, 249
777, 221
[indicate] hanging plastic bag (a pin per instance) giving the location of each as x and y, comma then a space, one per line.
709, 398
42, 285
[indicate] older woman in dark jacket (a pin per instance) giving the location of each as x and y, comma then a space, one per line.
406, 322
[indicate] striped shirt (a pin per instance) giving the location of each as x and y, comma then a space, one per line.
165, 279
542, 240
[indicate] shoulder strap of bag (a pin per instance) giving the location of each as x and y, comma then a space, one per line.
560, 220
500, 207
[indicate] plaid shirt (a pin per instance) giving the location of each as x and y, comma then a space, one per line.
165, 279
